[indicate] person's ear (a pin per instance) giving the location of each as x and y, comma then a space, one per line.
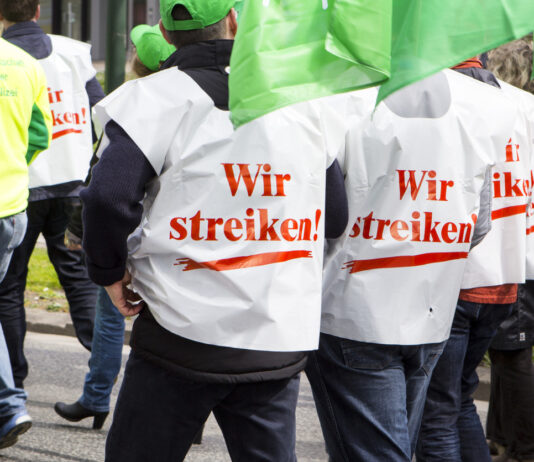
38, 14
164, 32
232, 22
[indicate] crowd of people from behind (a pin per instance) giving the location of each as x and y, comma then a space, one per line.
380, 249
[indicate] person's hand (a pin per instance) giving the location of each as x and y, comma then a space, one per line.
126, 300
72, 242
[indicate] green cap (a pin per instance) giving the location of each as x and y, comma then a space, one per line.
152, 48
204, 13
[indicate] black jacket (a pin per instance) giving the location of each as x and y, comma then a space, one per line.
517, 331
206, 63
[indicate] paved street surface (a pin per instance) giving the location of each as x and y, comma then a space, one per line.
57, 368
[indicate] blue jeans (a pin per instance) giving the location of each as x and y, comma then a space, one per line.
12, 399
370, 397
451, 430
12, 231
158, 414
106, 355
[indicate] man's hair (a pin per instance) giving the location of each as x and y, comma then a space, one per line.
138, 68
512, 62
18, 10
179, 38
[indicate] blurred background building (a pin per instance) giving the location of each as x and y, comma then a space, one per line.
86, 19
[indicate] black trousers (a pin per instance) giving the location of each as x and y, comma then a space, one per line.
49, 217
158, 415
511, 407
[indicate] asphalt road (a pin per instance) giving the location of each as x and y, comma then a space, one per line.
57, 368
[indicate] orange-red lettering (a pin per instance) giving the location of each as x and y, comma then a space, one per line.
305, 228
431, 186
431, 234
251, 228
444, 185
396, 227
180, 229
212, 228
412, 183
267, 229
244, 173
195, 226
448, 228
286, 227
416, 227
280, 183
380, 228
464, 235
367, 222
356, 228
232, 224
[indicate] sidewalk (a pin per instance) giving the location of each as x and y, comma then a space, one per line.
46, 322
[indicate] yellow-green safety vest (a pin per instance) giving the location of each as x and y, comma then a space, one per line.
25, 123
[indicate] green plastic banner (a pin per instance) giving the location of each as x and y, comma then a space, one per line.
429, 35
288, 51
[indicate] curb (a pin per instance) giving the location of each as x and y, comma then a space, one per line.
46, 322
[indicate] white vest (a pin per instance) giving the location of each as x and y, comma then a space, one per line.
229, 251
527, 100
529, 270
499, 258
414, 173
67, 71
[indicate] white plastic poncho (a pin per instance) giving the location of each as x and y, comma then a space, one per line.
229, 251
67, 70
414, 172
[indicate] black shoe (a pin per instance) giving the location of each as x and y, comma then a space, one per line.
198, 436
75, 412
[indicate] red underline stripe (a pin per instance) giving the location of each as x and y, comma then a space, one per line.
530, 230
65, 132
357, 266
508, 211
249, 261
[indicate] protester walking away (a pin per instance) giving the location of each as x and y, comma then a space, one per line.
418, 186
229, 268
108, 335
55, 178
26, 126
510, 424
451, 429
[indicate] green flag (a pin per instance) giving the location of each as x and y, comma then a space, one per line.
288, 51
429, 35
